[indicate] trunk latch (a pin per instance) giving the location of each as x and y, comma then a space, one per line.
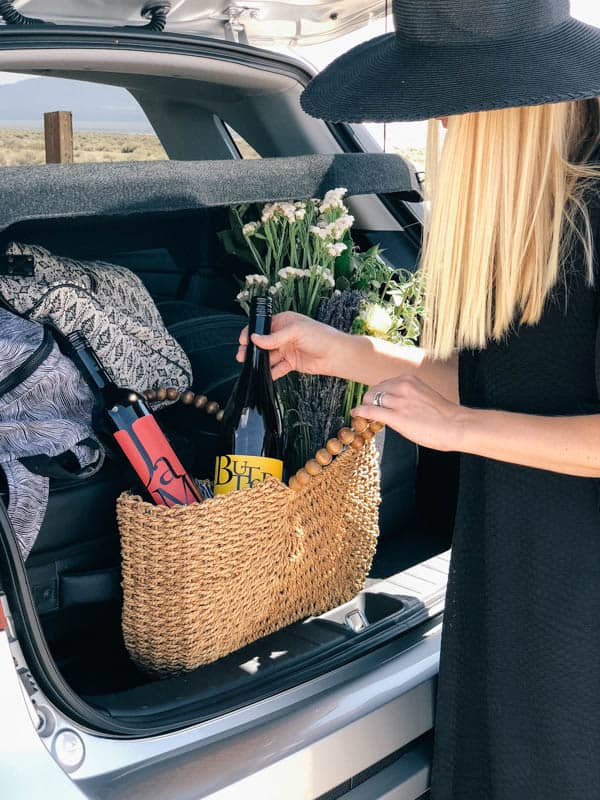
235, 31
356, 620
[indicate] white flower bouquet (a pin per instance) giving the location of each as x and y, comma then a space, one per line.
309, 263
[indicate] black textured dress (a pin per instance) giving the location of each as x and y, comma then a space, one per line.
518, 713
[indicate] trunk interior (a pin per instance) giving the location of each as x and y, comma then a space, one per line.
73, 570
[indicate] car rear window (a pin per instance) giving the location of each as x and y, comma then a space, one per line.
107, 122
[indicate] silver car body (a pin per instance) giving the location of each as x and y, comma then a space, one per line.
299, 744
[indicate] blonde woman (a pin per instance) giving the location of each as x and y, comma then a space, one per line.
506, 375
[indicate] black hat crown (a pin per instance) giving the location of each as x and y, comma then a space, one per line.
461, 56
463, 21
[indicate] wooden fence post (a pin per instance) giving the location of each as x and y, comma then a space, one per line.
58, 135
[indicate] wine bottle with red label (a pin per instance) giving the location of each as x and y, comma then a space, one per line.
137, 432
251, 434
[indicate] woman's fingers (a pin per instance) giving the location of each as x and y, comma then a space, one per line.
243, 340
375, 413
404, 386
385, 413
241, 354
273, 341
274, 357
280, 369
387, 395
279, 366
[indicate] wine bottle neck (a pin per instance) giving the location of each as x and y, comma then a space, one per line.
261, 324
89, 362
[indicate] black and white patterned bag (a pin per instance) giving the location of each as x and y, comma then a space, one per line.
45, 405
45, 412
110, 305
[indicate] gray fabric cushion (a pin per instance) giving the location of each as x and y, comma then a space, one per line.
56, 191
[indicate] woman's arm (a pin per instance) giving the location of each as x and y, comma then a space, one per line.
302, 344
379, 361
569, 445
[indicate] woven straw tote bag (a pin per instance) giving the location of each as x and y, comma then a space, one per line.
203, 580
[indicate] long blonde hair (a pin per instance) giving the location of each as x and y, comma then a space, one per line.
507, 191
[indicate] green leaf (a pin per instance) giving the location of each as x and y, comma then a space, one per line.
343, 263
358, 327
342, 283
232, 246
227, 239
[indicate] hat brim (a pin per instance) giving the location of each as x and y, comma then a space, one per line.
389, 79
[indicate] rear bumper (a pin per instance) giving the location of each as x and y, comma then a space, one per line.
27, 769
301, 744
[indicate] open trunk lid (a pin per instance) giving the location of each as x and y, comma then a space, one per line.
260, 22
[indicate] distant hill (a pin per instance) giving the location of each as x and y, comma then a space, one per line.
95, 107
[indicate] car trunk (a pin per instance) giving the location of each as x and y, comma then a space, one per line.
161, 221
266, 23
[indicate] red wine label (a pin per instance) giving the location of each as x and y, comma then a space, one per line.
152, 457
233, 473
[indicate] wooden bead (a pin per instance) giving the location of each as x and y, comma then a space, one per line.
303, 477
334, 446
172, 393
150, 395
324, 457
200, 400
313, 467
359, 424
212, 407
367, 435
346, 435
187, 398
161, 394
357, 442
376, 426
220, 415
293, 482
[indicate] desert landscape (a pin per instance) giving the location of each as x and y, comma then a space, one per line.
19, 147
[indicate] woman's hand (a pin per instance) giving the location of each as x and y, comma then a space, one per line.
417, 412
302, 344
568, 445
299, 343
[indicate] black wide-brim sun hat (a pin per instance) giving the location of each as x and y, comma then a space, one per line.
456, 56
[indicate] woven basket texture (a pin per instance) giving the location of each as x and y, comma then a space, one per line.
203, 580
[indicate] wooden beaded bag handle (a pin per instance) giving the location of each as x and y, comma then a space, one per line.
362, 431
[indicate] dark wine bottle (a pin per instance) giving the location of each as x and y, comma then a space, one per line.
252, 440
136, 431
